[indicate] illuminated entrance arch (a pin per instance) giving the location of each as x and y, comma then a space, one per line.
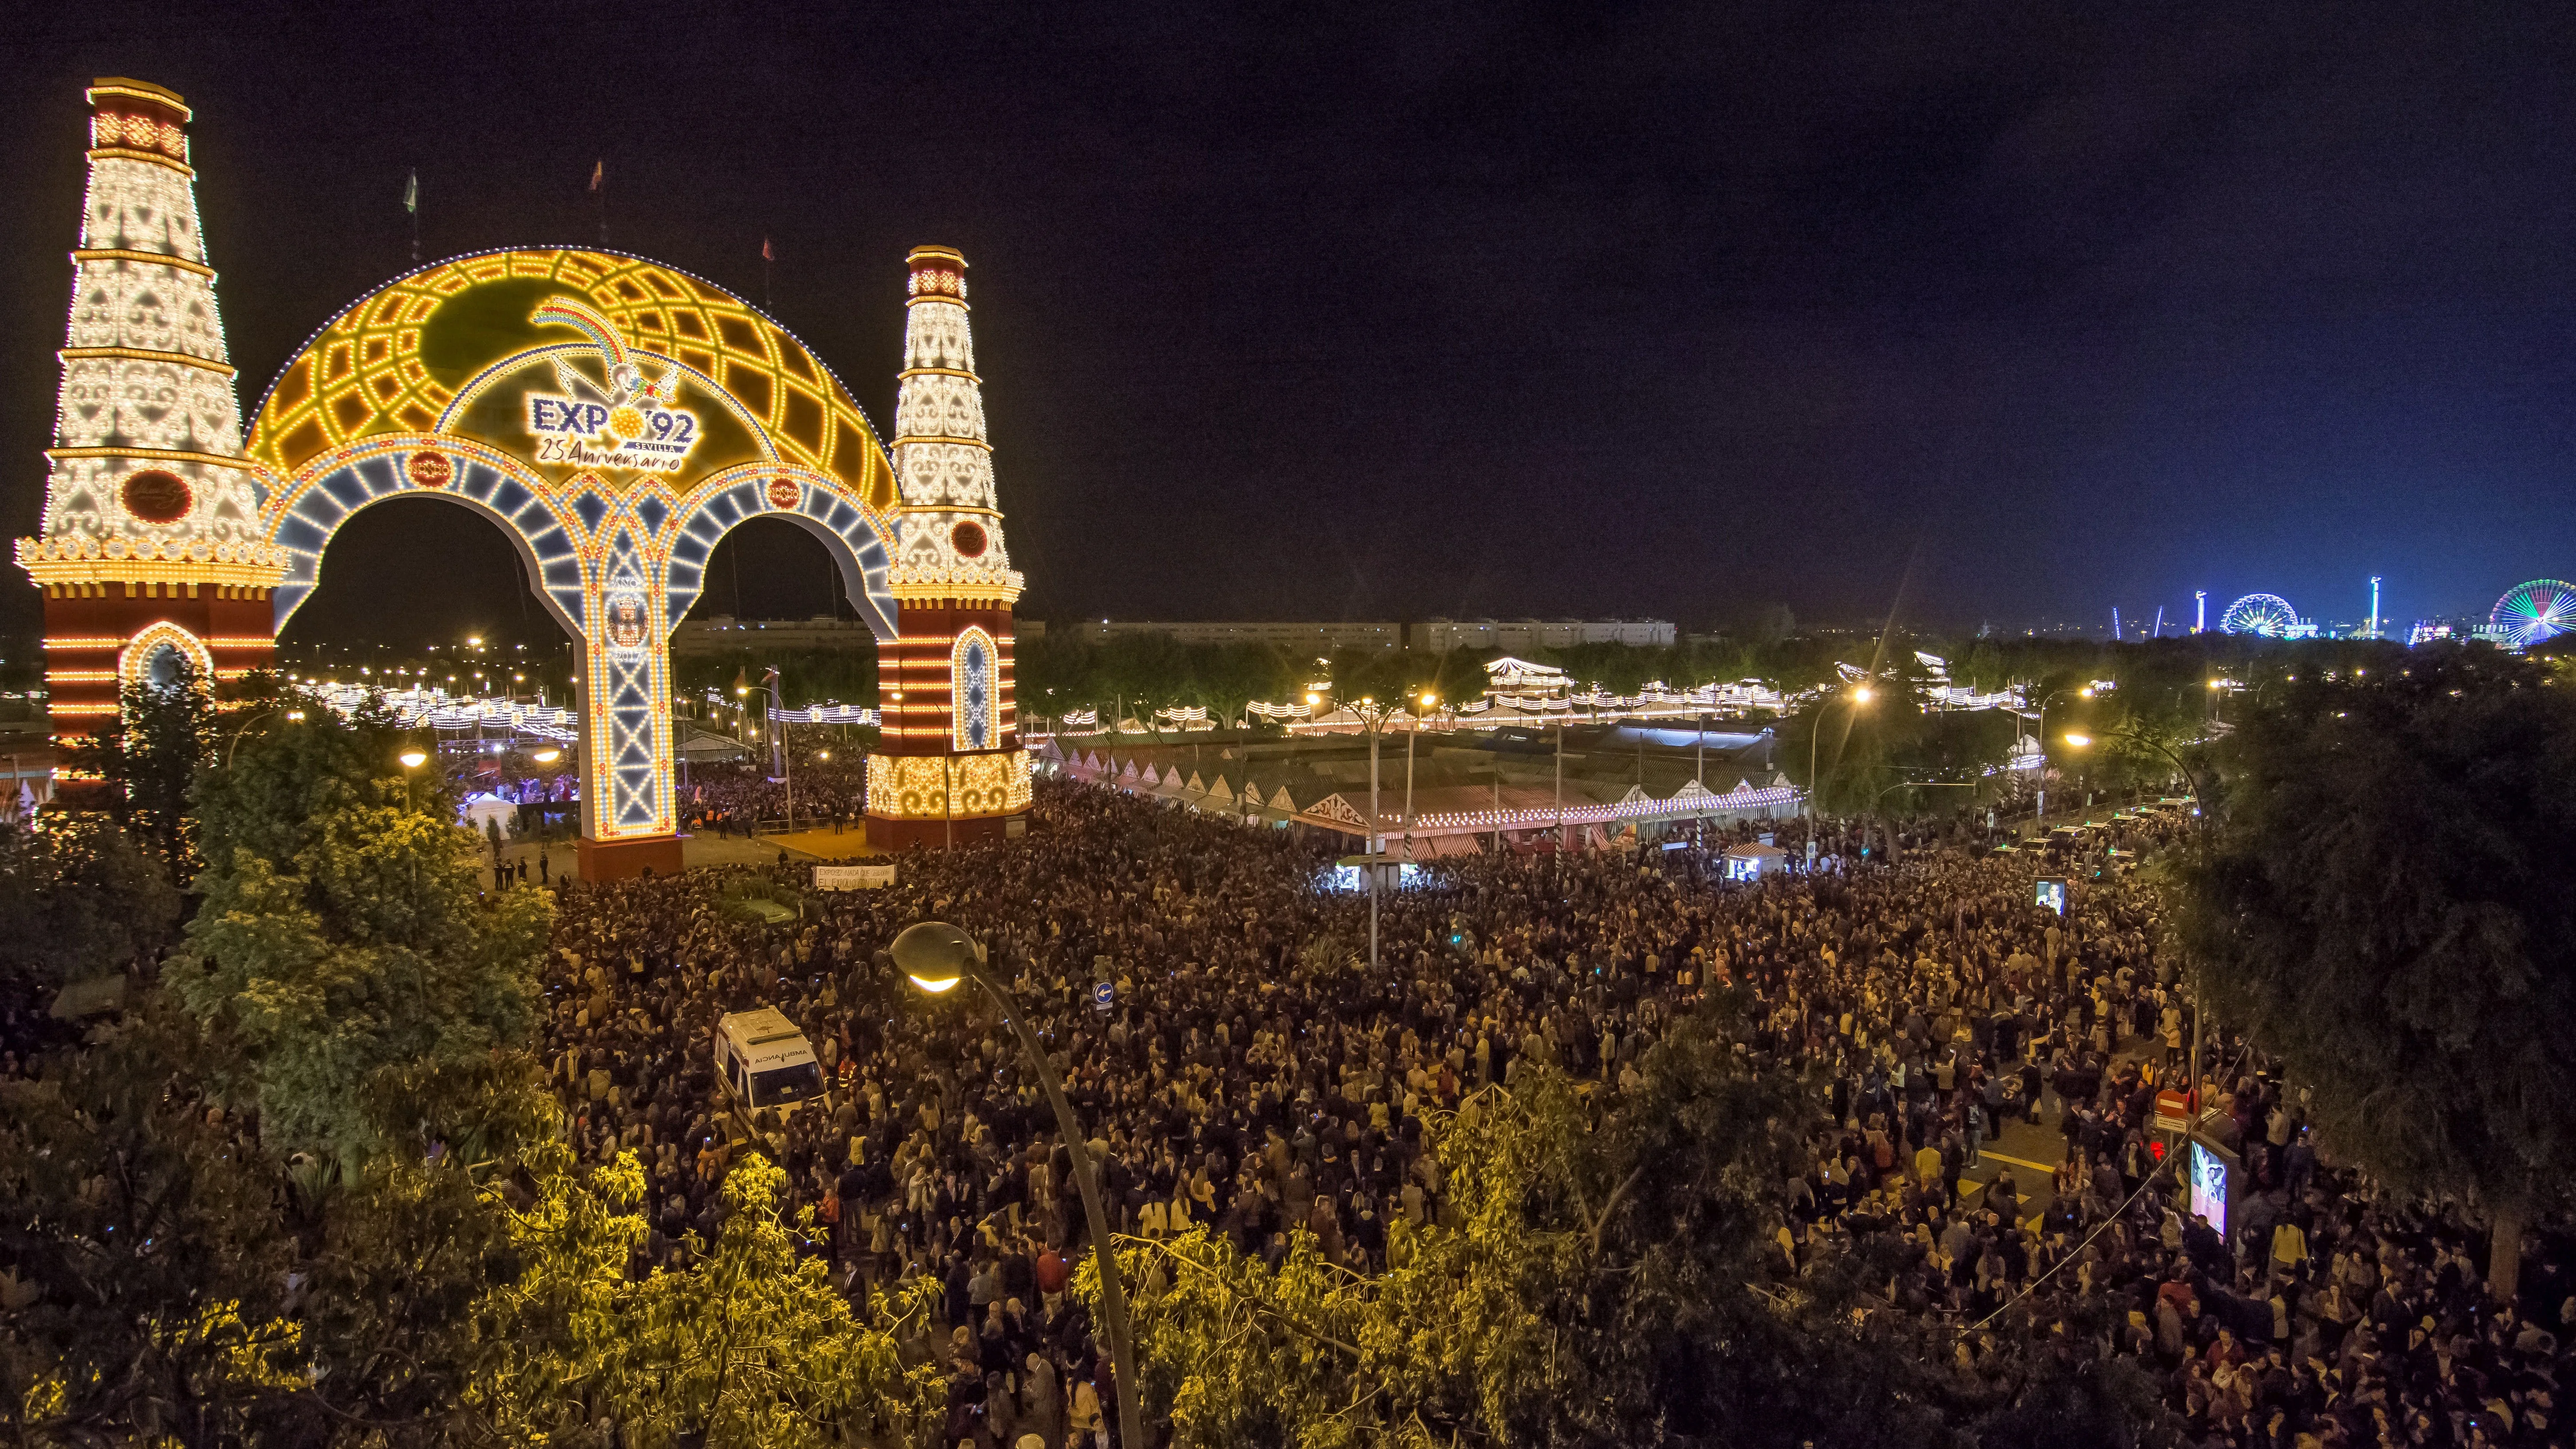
616, 418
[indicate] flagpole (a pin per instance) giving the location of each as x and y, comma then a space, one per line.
411, 203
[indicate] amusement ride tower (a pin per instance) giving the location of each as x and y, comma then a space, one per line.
949, 767
152, 551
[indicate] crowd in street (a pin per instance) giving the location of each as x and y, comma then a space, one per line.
730, 798
1245, 1078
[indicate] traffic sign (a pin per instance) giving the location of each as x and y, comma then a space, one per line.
1103, 997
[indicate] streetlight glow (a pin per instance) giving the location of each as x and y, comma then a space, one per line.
935, 988
412, 759
547, 757
2079, 741
1861, 695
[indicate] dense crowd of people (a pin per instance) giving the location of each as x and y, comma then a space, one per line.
733, 798
1248, 1080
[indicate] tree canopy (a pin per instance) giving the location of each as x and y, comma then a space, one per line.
342, 932
2381, 907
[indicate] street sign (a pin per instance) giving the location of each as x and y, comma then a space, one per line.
1103, 997
2173, 1111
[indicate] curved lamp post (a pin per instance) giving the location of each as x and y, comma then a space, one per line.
2199, 809
1859, 696
937, 955
294, 716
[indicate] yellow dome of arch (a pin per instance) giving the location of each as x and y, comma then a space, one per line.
397, 361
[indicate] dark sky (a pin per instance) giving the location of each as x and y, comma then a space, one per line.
1290, 311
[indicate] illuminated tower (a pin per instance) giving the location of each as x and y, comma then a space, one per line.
949, 764
152, 551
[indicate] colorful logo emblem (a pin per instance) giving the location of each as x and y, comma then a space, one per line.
432, 470
625, 422
157, 496
625, 620
783, 493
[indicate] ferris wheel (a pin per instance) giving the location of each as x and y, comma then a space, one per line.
2268, 615
2538, 610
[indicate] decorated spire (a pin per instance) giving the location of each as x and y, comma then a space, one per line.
146, 481
949, 521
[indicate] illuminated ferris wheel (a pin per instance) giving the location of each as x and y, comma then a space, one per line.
2268, 615
2541, 609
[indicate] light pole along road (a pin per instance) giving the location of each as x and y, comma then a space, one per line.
2200, 811
937, 955
1859, 696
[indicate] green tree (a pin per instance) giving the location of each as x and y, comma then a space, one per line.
149, 755
749, 1347
77, 899
343, 934
1604, 1277
145, 1275
2381, 907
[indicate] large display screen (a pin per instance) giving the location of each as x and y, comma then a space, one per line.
2209, 1186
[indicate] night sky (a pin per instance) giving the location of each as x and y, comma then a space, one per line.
2015, 311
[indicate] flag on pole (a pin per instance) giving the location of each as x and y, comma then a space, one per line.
767, 253
411, 194
598, 174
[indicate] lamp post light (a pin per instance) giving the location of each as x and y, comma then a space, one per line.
1427, 701
1858, 697
2199, 810
1373, 717
936, 956
293, 716
411, 760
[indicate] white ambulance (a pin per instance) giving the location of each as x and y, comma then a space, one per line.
766, 1062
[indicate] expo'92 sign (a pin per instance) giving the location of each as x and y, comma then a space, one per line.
589, 434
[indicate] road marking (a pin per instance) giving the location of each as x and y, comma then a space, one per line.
2019, 1161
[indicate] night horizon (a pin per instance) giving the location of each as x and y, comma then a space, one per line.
1465, 782
1964, 316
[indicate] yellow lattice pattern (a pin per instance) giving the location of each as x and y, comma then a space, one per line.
909, 786
365, 373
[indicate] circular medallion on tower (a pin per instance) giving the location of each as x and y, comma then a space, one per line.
968, 538
783, 493
431, 470
157, 497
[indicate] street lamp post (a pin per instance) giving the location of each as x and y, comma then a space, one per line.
1428, 701
1373, 717
293, 716
937, 955
2199, 808
778, 747
1859, 697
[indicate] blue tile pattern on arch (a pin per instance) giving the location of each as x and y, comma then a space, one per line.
586, 542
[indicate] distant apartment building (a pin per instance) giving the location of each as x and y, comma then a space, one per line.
1319, 638
724, 634
1431, 635
1515, 635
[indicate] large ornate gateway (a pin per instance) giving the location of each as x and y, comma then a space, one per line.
613, 416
